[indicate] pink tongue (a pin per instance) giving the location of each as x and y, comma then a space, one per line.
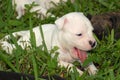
81, 54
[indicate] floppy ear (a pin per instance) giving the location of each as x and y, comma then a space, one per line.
61, 22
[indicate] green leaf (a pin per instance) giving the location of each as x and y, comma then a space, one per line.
8, 62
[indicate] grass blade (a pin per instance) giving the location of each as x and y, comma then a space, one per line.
35, 67
5, 59
41, 33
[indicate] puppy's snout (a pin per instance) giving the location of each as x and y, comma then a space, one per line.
92, 44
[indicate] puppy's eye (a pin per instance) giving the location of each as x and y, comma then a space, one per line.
79, 34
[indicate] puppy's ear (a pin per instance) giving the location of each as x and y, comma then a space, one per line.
61, 22
89, 16
113, 20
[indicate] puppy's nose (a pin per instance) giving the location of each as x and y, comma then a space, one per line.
92, 44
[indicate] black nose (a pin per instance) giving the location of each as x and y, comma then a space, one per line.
92, 44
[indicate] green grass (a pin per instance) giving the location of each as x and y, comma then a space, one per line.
35, 61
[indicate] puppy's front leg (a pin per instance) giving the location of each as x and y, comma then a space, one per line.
20, 11
91, 69
22, 40
69, 66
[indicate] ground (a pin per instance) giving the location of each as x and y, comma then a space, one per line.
106, 55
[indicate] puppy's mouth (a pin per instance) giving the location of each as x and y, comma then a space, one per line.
82, 55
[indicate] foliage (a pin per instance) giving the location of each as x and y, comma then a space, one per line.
38, 62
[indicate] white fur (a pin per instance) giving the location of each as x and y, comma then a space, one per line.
42, 8
61, 34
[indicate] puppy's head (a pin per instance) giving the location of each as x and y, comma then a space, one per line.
75, 32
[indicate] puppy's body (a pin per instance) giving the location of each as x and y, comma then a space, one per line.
41, 8
106, 21
72, 33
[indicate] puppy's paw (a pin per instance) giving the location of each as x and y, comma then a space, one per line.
18, 17
69, 66
79, 71
92, 70
7, 46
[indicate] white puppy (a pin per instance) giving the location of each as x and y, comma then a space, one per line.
41, 8
72, 33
